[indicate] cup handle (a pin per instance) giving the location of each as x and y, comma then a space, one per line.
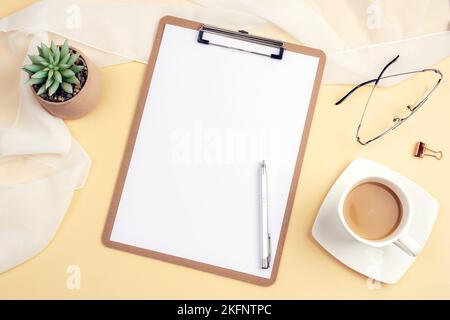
408, 245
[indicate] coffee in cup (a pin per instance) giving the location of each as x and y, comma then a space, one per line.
376, 212
373, 210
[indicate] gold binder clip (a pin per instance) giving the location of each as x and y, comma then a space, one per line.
422, 150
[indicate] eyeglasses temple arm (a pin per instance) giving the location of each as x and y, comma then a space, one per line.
368, 81
353, 90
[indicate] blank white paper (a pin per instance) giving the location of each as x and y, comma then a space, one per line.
212, 115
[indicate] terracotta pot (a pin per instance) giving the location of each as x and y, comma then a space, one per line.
82, 103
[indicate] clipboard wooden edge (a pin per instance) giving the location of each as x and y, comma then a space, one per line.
106, 237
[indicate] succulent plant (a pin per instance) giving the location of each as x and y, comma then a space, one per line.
53, 67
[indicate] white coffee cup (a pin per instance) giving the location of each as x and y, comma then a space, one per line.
401, 236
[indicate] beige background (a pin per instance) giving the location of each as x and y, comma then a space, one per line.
306, 270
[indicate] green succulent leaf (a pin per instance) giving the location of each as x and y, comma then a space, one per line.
53, 47
49, 82
76, 69
35, 59
58, 76
50, 59
28, 71
63, 66
64, 50
33, 68
73, 58
41, 90
68, 73
64, 59
41, 53
53, 88
57, 55
73, 80
40, 74
35, 81
45, 51
50, 74
67, 87
32, 58
41, 60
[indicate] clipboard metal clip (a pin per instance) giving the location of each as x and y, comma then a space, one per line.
241, 35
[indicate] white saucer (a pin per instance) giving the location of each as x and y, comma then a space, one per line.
386, 264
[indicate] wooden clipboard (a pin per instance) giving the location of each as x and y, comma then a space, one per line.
169, 20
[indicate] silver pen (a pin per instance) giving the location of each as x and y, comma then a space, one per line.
265, 235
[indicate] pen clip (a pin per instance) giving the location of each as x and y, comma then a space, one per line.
269, 256
266, 261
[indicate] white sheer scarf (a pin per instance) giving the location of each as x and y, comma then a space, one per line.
41, 165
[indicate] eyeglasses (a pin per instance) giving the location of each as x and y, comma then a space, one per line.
397, 121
